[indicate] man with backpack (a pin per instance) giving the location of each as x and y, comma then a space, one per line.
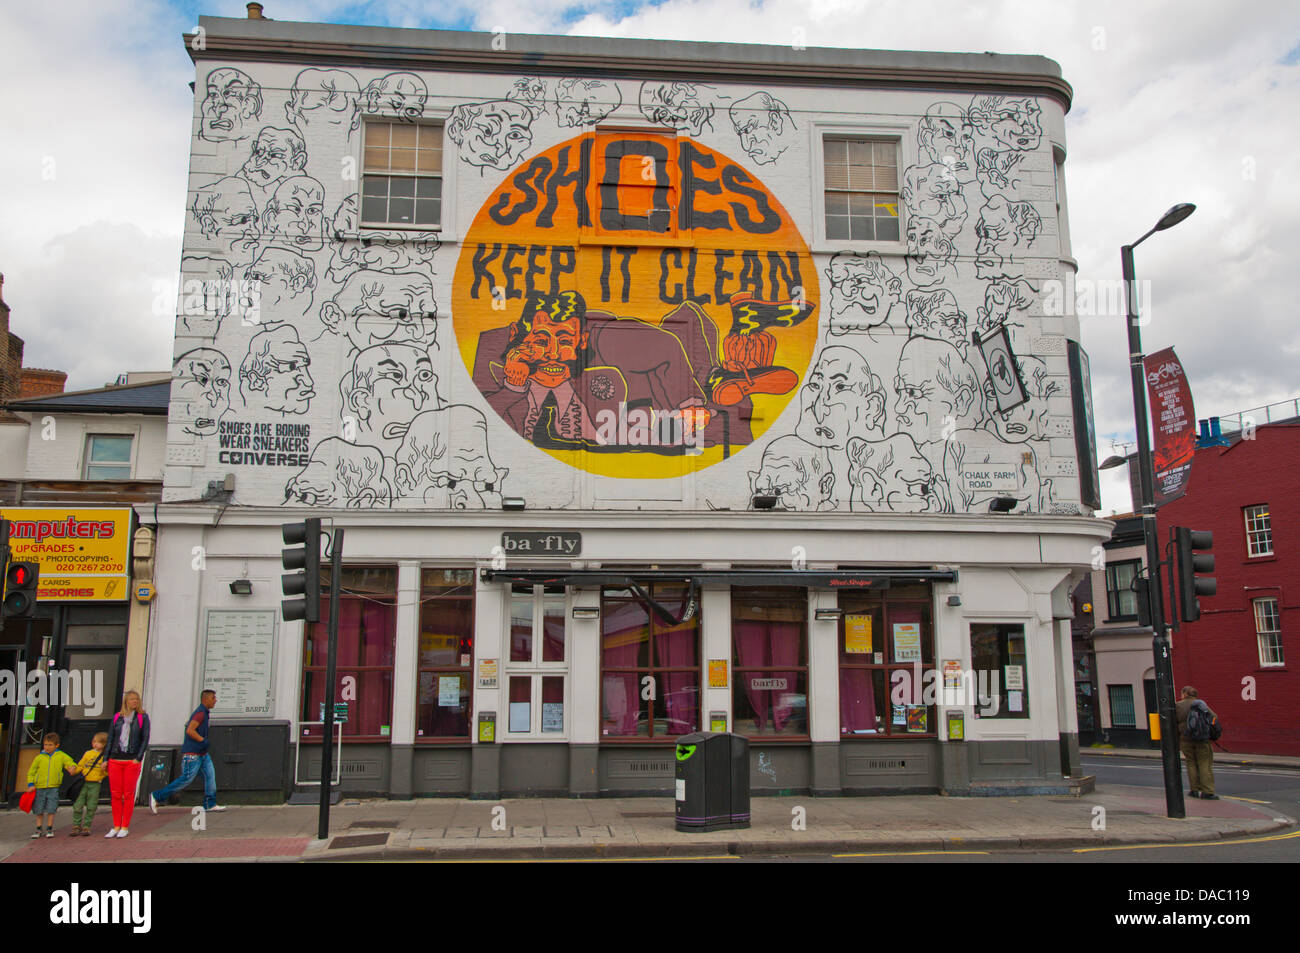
1198, 728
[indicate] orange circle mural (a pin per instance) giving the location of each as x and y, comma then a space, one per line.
637, 305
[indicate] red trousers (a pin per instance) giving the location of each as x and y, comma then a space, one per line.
122, 777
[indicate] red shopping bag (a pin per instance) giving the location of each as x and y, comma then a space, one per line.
27, 799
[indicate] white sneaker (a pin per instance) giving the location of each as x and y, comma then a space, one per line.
123, 832
153, 804
217, 807
112, 832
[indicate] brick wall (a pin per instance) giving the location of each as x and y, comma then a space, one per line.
1219, 654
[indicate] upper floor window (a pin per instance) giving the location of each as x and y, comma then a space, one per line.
1259, 531
1121, 600
401, 181
108, 457
1268, 630
861, 178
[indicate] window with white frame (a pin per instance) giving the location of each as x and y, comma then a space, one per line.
401, 179
861, 182
537, 663
108, 457
1268, 630
1259, 531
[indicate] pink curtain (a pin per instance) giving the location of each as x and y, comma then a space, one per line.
753, 648
784, 640
623, 629
676, 648
857, 700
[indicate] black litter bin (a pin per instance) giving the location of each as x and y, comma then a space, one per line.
712, 782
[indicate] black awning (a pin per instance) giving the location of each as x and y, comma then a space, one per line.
845, 579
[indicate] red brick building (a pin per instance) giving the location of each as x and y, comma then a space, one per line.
1245, 488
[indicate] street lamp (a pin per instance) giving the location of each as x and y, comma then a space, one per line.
1174, 806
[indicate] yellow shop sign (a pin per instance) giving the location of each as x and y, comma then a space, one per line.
84, 555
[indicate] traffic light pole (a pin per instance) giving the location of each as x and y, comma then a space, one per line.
327, 749
1164, 670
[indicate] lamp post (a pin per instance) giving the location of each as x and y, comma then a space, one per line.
1164, 670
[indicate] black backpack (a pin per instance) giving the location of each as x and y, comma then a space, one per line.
1203, 724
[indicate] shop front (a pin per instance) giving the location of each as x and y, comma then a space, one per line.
62, 670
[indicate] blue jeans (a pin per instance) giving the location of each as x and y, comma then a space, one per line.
191, 764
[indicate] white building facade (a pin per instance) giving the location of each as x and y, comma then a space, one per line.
659, 387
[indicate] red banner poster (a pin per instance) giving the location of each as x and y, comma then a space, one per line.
1173, 422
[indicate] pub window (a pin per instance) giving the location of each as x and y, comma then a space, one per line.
769, 635
446, 654
364, 669
1000, 661
537, 663
886, 644
401, 180
650, 666
861, 180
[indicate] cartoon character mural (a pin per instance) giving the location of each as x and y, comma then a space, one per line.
584, 102
687, 107
341, 474
227, 217
385, 388
201, 390
491, 135
401, 95
797, 473
443, 461
764, 125
863, 291
375, 307
276, 155
323, 98
232, 104
354, 249
274, 375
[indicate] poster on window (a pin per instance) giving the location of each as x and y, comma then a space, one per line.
907, 641
1015, 676
552, 716
519, 716
917, 718
857, 634
449, 691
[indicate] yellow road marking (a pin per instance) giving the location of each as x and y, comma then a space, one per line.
1229, 797
912, 853
1208, 843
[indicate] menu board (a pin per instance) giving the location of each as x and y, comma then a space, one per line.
238, 661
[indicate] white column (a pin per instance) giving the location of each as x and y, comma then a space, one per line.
406, 652
584, 670
490, 643
715, 643
823, 668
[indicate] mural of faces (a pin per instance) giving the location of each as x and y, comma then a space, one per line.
443, 461
374, 307
322, 97
340, 474
1004, 230
227, 216
863, 291
891, 475
933, 192
531, 91
764, 126
931, 253
492, 135
201, 386
214, 297
231, 106
945, 136
1006, 123
935, 315
1028, 421
274, 375
968, 452
937, 391
276, 155
683, 106
584, 102
398, 94
372, 250
295, 215
388, 385
284, 283
1001, 299
545, 349
841, 399
798, 474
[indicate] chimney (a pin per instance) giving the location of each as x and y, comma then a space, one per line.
1215, 428
39, 382
255, 11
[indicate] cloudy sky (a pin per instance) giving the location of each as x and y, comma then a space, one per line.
1189, 101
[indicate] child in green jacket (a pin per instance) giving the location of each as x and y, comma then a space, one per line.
45, 775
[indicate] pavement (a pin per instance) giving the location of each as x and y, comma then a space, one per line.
461, 829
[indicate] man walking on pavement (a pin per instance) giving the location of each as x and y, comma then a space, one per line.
195, 758
1198, 754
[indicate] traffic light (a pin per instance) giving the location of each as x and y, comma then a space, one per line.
1191, 547
304, 537
20, 590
